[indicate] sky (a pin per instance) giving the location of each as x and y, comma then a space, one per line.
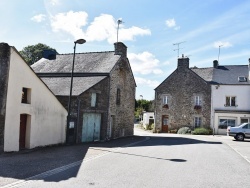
155, 32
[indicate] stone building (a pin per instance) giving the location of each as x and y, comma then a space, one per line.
183, 99
103, 94
30, 114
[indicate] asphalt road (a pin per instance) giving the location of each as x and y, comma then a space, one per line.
161, 160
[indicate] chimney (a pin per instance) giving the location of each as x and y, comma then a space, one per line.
120, 49
49, 54
216, 64
183, 62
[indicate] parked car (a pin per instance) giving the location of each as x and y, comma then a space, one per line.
240, 132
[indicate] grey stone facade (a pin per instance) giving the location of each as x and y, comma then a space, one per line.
122, 78
109, 76
181, 87
4, 71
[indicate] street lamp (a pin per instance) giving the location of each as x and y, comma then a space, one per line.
79, 41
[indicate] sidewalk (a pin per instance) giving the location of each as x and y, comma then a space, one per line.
24, 164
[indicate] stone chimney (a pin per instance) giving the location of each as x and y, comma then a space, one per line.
183, 62
120, 49
216, 64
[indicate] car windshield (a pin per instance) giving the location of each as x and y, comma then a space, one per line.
243, 124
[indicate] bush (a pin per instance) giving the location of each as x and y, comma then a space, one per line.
184, 130
202, 131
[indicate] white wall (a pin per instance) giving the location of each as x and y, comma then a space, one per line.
46, 122
219, 94
146, 117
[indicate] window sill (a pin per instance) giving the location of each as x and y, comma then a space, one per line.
230, 106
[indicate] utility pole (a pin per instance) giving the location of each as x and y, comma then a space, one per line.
178, 47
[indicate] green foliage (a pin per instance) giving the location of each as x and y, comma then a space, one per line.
146, 105
184, 130
202, 131
33, 53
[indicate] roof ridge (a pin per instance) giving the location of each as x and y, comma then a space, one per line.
87, 52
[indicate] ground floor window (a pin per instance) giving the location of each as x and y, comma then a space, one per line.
197, 122
224, 123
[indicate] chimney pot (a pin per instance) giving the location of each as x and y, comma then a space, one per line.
216, 64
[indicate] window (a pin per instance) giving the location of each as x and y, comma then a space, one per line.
247, 126
26, 95
118, 96
224, 123
197, 121
242, 79
93, 99
230, 101
165, 100
197, 100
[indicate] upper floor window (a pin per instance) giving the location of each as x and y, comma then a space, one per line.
197, 100
93, 99
26, 95
197, 121
118, 96
230, 101
165, 100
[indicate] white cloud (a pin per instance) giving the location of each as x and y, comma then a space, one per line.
144, 63
104, 27
171, 22
222, 44
54, 2
143, 81
70, 22
38, 18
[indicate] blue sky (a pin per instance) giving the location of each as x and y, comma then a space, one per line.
149, 30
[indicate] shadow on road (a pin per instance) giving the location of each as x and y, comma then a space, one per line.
25, 164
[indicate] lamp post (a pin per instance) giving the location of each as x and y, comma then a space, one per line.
79, 41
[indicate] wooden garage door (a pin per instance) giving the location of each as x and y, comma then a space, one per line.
91, 127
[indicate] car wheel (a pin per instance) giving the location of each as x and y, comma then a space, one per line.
239, 137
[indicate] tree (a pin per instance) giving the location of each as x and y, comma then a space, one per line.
142, 105
33, 53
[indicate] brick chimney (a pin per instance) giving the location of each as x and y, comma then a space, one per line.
120, 49
183, 62
216, 64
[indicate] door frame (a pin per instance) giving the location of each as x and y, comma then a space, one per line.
164, 128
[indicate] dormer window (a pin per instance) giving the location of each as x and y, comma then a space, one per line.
242, 79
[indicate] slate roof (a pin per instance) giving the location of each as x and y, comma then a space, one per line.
227, 75
93, 62
61, 86
84, 62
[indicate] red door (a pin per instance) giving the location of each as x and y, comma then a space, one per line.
23, 120
164, 123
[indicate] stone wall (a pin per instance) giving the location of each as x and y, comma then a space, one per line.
181, 87
123, 113
4, 70
83, 103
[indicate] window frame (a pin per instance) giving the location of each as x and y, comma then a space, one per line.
197, 122
165, 99
118, 96
197, 100
93, 99
230, 102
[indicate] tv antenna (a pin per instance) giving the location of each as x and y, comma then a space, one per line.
119, 21
178, 47
219, 52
